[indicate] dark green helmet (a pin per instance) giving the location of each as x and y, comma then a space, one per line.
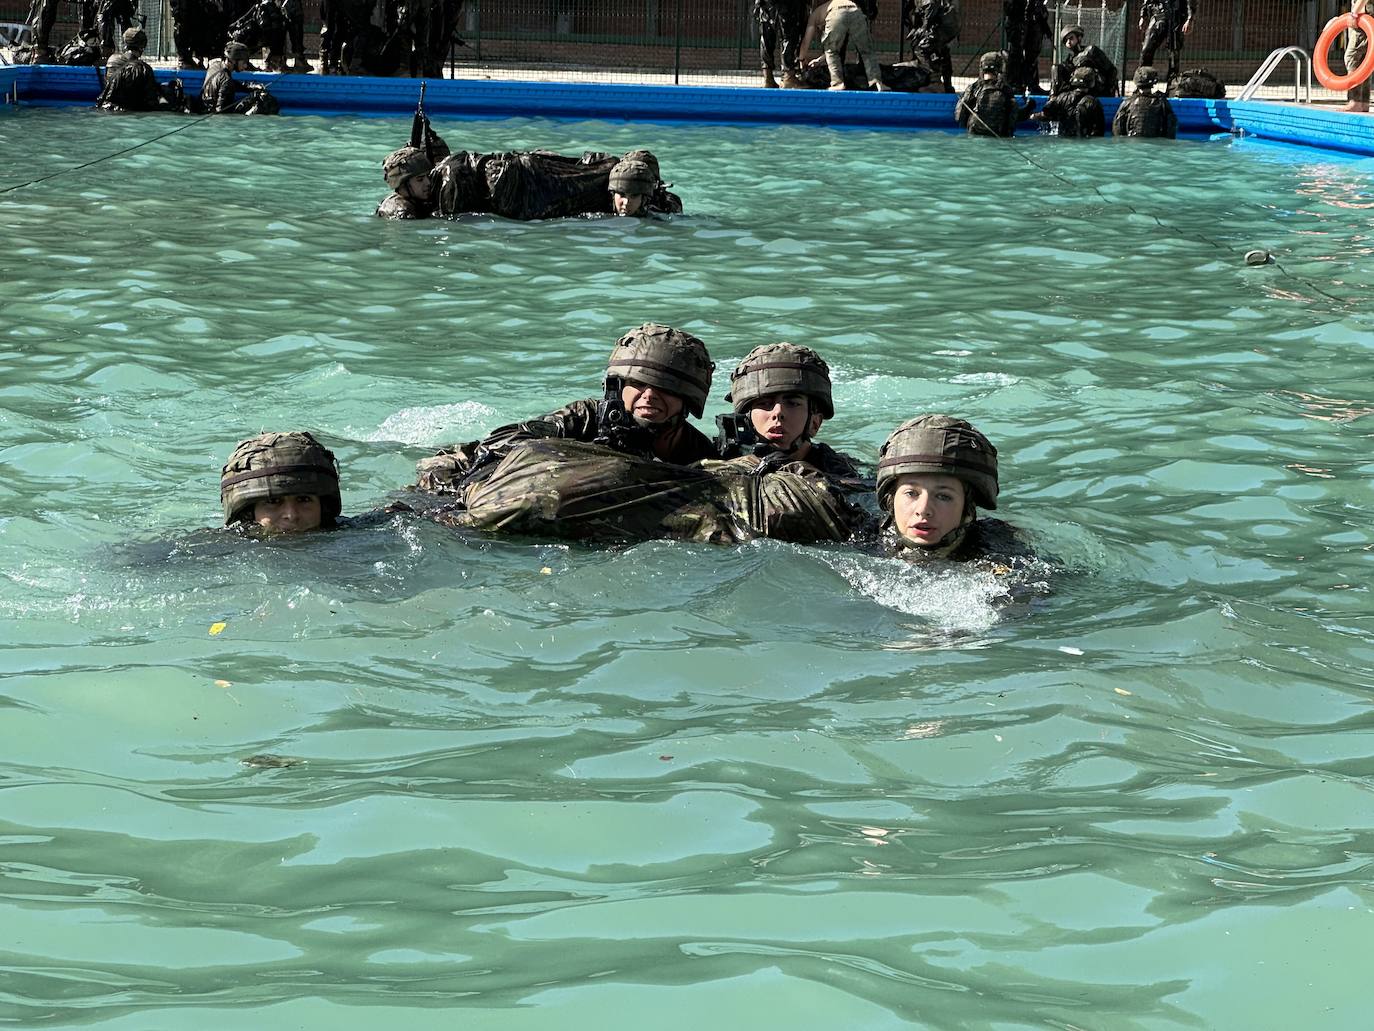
646, 156
1083, 78
631, 178
939, 444
1072, 30
666, 358
781, 369
235, 51
403, 164
991, 62
135, 39
274, 465
1145, 77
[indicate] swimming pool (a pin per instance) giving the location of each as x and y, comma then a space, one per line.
673, 784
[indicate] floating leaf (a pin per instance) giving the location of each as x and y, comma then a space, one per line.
217, 628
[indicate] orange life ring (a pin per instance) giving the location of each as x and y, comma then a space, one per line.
1334, 28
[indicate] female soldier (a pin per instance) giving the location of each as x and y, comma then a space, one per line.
281, 482
933, 474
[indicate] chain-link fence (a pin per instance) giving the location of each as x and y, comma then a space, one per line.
717, 41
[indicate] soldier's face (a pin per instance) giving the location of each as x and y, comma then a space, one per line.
1074, 44
627, 203
293, 513
418, 188
649, 404
927, 506
781, 419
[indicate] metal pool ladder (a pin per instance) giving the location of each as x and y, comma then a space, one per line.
1302, 62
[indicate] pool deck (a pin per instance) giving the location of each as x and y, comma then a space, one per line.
1301, 124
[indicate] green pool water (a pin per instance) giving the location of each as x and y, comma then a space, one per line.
673, 786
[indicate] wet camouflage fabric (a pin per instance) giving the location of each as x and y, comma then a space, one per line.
931, 26
1145, 114
130, 85
1199, 82
988, 108
578, 421
780, 21
572, 490
1078, 113
1026, 24
1095, 58
906, 77
1166, 20
991, 540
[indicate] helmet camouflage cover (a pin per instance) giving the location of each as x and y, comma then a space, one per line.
1084, 77
1072, 30
631, 177
235, 51
646, 156
939, 444
667, 358
135, 39
403, 164
990, 62
1146, 76
274, 465
781, 369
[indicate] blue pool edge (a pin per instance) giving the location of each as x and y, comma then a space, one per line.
49, 85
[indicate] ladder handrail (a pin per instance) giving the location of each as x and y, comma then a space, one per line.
1302, 62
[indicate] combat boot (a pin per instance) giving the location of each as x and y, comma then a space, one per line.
300, 64
790, 80
768, 81
836, 66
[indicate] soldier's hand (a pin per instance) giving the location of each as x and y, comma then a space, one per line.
1188, 26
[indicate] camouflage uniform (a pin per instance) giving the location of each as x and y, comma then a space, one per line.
578, 491
931, 26
277, 465
1077, 111
785, 20
42, 18
220, 91
987, 107
82, 52
1145, 112
952, 447
1166, 21
130, 84
1026, 25
1085, 56
654, 355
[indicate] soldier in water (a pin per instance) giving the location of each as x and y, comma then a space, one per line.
780, 21
130, 84
1145, 112
281, 483
988, 107
934, 473
781, 394
1074, 109
657, 377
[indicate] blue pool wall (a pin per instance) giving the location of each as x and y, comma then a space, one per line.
332, 95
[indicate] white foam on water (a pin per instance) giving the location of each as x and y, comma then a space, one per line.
949, 596
435, 424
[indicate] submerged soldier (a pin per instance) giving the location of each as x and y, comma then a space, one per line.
1076, 111
1169, 21
988, 107
1145, 112
281, 483
220, 91
1084, 55
931, 26
934, 472
781, 394
841, 24
130, 84
785, 21
1026, 24
523, 185
656, 377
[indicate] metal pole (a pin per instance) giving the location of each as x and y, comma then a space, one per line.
677, 57
1125, 44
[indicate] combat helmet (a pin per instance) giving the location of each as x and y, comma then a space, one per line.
1084, 78
275, 465
1145, 77
939, 444
135, 39
781, 369
992, 61
667, 358
631, 177
403, 164
235, 51
1072, 30
647, 156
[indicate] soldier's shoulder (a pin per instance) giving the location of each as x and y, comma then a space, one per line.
396, 206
